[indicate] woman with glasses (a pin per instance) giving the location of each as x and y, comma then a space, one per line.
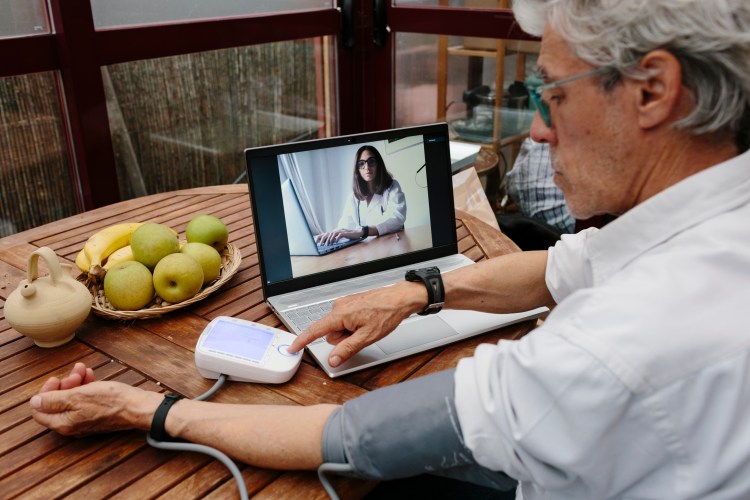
377, 205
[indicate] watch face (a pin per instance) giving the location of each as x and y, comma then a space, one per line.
427, 272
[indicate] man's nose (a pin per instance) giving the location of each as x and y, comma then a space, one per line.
540, 132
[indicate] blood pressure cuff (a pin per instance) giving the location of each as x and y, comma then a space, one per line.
405, 430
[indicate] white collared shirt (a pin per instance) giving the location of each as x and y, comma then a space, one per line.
638, 383
386, 211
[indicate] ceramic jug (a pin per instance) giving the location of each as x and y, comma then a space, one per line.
49, 309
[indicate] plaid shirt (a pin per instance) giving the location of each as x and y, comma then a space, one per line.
530, 185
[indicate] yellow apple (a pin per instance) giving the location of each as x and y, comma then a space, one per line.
178, 277
207, 257
151, 242
209, 230
128, 286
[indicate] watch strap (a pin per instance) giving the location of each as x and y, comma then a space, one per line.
158, 432
365, 230
433, 282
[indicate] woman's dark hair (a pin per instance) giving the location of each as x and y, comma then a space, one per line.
383, 178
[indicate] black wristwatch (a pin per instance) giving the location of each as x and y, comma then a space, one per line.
432, 280
365, 230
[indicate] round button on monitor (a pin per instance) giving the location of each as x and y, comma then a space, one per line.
282, 350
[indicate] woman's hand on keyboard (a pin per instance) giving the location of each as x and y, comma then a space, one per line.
359, 320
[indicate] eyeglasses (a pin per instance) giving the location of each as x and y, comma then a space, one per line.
370, 162
536, 91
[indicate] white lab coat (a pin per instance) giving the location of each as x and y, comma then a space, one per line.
386, 212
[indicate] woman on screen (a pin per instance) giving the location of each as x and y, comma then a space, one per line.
375, 207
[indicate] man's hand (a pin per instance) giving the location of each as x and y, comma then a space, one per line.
359, 320
79, 375
77, 405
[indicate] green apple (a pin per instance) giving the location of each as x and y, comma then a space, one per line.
178, 277
209, 230
207, 257
128, 286
151, 242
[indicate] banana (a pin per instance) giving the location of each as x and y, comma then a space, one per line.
123, 254
83, 262
103, 243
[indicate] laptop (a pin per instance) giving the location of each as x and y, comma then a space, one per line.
300, 288
301, 239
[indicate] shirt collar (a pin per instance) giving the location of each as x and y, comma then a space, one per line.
689, 202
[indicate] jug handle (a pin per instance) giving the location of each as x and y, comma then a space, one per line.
53, 263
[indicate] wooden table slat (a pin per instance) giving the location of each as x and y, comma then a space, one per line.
181, 476
17, 345
77, 473
30, 360
130, 470
10, 274
38, 470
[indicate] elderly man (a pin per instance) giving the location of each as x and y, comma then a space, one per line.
636, 386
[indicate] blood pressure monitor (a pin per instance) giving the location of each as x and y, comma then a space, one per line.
245, 351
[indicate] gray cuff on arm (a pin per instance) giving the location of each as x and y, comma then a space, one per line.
405, 430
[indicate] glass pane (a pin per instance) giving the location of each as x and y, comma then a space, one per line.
484, 4
36, 185
108, 13
184, 121
465, 89
455, 79
23, 17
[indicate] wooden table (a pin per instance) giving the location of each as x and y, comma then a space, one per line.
372, 248
157, 354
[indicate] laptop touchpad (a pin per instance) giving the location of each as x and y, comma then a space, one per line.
415, 333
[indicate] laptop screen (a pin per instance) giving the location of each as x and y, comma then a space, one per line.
312, 202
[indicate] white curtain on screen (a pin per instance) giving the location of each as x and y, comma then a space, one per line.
291, 168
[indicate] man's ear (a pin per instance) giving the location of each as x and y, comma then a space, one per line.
661, 94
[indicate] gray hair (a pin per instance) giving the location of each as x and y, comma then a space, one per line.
710, 38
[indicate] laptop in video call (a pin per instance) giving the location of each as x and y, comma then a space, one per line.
301, 189
301, 239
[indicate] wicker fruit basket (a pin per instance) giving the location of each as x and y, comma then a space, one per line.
230, 263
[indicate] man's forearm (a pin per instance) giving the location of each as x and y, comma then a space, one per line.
511, 283
278, 437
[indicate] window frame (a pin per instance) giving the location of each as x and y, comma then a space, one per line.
75, 50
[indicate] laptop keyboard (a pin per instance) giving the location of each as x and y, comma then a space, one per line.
304, 316
300, 318
323, 249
